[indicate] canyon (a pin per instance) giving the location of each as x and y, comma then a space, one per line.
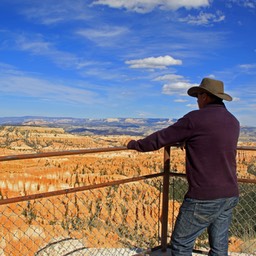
120, 210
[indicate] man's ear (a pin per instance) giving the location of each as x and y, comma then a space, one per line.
206, 98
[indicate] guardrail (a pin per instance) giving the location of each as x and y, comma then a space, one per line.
119, 217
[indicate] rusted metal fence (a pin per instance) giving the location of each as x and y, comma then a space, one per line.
119, 217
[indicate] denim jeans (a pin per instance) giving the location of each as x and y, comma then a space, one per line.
197, 215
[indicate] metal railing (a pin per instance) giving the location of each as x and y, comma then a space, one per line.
118, 217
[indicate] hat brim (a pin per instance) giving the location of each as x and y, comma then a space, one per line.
193, 91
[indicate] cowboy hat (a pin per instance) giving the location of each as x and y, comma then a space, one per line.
209, 85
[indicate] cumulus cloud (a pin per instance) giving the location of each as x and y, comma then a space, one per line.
142, 6
160, 62
175, 84
204, 18
178, 88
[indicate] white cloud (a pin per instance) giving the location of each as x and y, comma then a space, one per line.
169, 77
13, 83
176, 85
50, 12
204, 18
104, 36
180, 100
244, 3
36, 45
144, 6
160, 62
236, 99
249, 69
102, 33
250, 4
192, 105
247, 66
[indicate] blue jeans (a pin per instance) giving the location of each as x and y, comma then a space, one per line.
197, 215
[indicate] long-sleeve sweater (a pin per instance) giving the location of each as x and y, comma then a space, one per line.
210, 135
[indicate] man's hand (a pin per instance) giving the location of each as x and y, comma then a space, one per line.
125, 142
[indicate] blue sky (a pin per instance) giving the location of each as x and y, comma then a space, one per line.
120, 58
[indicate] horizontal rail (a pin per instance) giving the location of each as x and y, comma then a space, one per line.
81, 151
60, 153
78, 189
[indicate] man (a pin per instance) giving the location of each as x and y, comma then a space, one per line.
210, 135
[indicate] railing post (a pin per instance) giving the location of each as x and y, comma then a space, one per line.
165, 203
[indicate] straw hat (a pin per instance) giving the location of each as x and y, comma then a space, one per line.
209, 85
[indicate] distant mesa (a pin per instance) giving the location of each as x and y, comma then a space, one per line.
88, 126
107, 126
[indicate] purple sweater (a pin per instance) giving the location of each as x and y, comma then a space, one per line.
211, 136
